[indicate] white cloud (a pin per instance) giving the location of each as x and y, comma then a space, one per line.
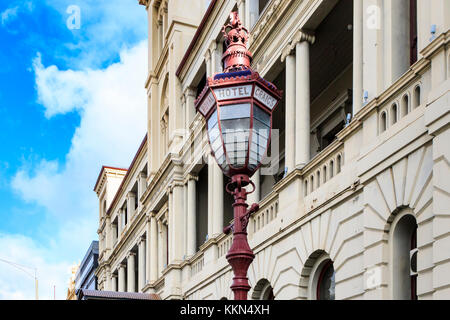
11, 13
103, 30
18, 283
112, 106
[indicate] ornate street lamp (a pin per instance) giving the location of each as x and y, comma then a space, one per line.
238, 105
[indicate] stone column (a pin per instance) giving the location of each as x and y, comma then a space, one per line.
108, 235
177, 224
141, 264
218, 191
213, 54
290, 108
153, 246
122, 276
120, 222
148, 244
210, 194
107, 286
170, 226
131, 273
217, 186
241, 11
131, 198
252, 13
191, 216
142, 184
357, 55
190, 107
165, 254
302, 99
113, 284
395, 27
114, 234
373, 59
161, 242
255, 197
208, 63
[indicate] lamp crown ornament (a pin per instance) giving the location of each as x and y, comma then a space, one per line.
236, 57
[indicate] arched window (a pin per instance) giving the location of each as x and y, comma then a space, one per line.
394, 112
324, 173
404, 257
322, 279
306, 187
383, 122
263, 291
312, 183
405, 105
326, 282
416, 100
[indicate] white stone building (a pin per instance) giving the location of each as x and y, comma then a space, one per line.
356, 202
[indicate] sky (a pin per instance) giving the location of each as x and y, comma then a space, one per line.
72, 99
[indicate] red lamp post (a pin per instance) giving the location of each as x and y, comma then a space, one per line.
237, 105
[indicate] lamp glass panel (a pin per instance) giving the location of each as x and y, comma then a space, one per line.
260, 135
215, 140
235, 124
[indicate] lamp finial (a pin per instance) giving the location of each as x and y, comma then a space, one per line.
236, 57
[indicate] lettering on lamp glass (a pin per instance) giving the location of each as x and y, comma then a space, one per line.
233, 92
207, 104
265, 98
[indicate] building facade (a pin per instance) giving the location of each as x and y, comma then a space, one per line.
354, 198
85, 277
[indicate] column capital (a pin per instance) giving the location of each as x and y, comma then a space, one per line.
151, 214
113, 275
122, 266
190, 176
299, 36
303, 35
173, 185
131, 194
142, 174
207, 55
141, 239
213, 46
189, 91
130, 254
239, 2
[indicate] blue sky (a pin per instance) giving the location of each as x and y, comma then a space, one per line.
70, 101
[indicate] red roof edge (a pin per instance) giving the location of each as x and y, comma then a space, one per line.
101, 171
196, 36
144, 141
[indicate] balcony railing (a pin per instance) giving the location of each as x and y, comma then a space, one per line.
267, 213
399, 106
197, 264
323, 168
224, 245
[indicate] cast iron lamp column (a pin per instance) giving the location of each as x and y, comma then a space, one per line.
237, 105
